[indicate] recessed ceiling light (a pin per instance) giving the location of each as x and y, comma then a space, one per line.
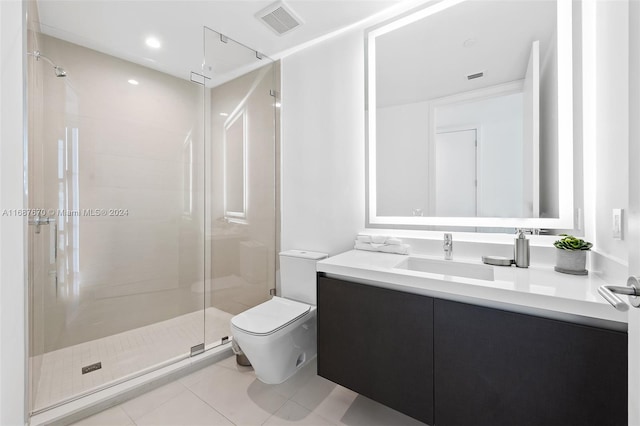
224, 114
153, 42
132, 81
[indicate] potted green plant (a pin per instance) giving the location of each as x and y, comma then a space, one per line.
571, 256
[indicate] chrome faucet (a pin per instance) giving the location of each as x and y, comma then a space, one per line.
448, 246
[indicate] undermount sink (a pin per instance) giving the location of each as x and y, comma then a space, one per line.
447, 267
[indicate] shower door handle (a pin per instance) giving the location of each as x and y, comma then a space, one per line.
53, 242
38, 221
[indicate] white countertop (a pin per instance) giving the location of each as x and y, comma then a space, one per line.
535, 290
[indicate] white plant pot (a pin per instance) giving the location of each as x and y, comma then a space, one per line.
571, 261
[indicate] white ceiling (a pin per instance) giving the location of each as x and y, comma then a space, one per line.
427, 59
120, 27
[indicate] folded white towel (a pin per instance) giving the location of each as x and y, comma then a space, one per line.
364, 238
393, 241
364, 246
396, 248
379, 239
376, 242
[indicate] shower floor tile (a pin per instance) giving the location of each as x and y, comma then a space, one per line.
125, 354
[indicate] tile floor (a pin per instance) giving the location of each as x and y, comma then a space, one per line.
125, 354
228, 394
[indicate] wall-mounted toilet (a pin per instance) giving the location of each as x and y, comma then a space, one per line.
279, 336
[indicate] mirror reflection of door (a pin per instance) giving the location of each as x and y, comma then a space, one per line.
456, 173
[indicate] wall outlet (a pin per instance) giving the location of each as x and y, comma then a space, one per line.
617, 224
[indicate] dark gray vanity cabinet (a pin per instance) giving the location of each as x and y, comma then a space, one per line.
455, 364
494, 368
379, 343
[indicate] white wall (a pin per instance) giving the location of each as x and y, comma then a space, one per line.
612, 134
634, 203
12, 281
323, 145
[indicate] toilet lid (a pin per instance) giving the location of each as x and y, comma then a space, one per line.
270, 316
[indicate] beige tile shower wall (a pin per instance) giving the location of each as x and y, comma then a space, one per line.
112, 145
243, 261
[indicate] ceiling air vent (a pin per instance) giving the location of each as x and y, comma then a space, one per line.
279, 17
475, 75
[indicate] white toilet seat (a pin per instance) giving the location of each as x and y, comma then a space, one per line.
270, 317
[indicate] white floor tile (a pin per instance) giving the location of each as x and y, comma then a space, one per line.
138, 407
112, 417
292, 413
209, 372
223, 394
184, 409
241, 398
320, 393
365, 412
325, 398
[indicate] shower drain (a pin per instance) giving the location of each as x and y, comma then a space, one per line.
91, 367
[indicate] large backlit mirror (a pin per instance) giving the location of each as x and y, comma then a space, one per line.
469, 116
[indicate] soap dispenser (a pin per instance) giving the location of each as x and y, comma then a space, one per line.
521, 250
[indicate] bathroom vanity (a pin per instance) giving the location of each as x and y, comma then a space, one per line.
523, 346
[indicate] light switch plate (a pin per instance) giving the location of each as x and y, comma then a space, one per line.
617, 224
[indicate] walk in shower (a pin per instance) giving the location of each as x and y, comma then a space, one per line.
152, 197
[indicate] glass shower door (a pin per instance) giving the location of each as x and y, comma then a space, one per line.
242, 95
116, 173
